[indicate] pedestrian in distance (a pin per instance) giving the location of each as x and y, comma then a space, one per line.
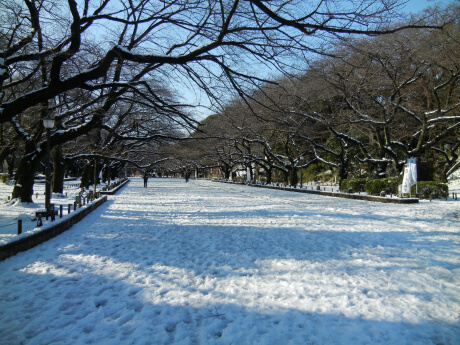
146, 179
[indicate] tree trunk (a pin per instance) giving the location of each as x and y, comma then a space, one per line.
116, 171
109, 176
58, 171
24, 185
96, 174
293, 178
106, 172
269, 175
343, 175
10, 161
227, 170
86, 176
285, 176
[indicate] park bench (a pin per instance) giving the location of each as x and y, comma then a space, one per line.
49, 212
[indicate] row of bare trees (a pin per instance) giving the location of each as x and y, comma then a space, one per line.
361, 111
107, 71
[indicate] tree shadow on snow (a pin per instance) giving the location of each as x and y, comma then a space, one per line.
147, 277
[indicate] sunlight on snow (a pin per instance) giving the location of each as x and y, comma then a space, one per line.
273, 287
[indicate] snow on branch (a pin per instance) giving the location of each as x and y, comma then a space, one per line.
453, 169
19, 130
113, 158
16, 46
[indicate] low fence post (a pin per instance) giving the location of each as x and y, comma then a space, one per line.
19, 226
60, 211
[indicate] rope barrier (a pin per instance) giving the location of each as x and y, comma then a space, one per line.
18, 223
5, 225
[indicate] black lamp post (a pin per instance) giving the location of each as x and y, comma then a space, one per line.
48, 123
301, 177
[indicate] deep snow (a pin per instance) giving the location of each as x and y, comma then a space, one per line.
211, 263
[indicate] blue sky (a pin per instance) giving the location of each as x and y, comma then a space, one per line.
415, 6
191, 96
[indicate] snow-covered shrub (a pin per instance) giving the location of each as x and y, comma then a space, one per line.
431, 189
387, 185
357, 184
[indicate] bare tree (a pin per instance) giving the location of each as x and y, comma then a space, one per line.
402, 88
104, 50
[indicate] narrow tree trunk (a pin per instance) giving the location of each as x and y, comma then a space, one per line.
343, 175
269, 175
10, 161
86, 176
285, 176
58, 171
109, 174
227, 170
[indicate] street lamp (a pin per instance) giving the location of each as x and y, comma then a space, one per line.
48, 123
301, 159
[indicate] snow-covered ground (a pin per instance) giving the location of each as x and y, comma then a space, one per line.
212, 263
11, 211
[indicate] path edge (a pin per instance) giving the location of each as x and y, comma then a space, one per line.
335, 195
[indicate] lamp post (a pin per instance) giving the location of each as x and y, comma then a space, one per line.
48, 123
301, 159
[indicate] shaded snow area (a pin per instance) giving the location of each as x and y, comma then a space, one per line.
212, 263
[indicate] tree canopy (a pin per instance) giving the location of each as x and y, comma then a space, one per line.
108, 71
361, 110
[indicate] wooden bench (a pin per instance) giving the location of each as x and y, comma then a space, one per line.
50, 212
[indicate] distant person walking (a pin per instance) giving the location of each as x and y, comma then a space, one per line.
146, 179
187, 176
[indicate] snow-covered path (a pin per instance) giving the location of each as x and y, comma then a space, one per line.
210, 263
